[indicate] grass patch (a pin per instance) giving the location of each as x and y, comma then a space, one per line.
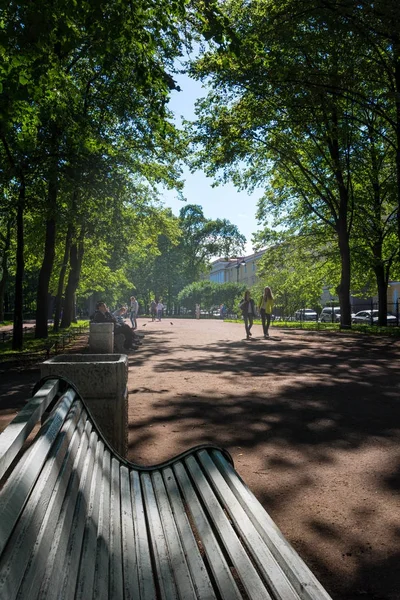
33, 346
390, 331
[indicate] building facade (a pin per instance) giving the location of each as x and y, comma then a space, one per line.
236, 270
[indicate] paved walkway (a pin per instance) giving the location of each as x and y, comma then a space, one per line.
312, 422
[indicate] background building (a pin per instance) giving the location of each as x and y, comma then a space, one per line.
236, 270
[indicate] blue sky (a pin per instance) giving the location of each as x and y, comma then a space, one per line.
220, 202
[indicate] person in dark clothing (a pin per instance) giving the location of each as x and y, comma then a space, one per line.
248, 309
103, 315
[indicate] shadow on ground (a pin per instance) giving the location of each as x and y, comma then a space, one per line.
338, 400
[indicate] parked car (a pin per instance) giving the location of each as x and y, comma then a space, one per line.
330, 314
364, 317
305, 314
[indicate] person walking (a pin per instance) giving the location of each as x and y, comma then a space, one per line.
153, 309
134, 308
248, 310
160, 308
266, 306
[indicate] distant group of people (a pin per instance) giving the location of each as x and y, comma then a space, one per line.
265, 306
104, 315
131, 311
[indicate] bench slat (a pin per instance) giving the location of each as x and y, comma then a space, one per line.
248, 574
77, 496
14, 436
116, 558
216, 560
198, 570
101, 583
59, 576
144, 561
300, 576
17, 489
274, 576
176, 555
160, 549
27, 530
87, 563
130, 548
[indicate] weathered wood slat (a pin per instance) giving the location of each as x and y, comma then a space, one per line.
129, 539
13, 437
198, 571
116, 560
300, 576
222, 574
26, 534
260, 553
55, 581
17, 489
176, 555
164, 571
102, 578
85, 583
145, 567
77, 496
248, 575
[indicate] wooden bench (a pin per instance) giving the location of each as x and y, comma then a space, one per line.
78, 521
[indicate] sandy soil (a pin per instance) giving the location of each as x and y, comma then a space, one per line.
312, 422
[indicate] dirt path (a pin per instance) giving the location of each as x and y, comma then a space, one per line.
312, 422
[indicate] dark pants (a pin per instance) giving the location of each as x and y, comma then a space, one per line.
266, 320
248, 322
128, 334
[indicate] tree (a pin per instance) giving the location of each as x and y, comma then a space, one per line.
280, 111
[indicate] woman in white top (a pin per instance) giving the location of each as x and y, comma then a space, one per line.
160, 308
134, 311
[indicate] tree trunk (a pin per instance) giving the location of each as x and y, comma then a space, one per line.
4, 267
42, 303
76, 258
18, 325
396, 50
63, 270
382, 284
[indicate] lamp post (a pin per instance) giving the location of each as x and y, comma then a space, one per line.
240, 262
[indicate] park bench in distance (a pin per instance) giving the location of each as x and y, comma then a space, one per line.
79, 521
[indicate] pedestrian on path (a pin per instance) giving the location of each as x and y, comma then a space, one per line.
266, 305
248, 310
134, 309
160, 308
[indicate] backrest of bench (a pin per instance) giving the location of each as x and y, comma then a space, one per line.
14, 436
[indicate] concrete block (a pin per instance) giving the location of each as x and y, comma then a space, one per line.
101, 338
101, 379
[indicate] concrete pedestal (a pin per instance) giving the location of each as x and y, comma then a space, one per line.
101, 379
101, 338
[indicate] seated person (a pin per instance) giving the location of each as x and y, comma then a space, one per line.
103, 315
119, 314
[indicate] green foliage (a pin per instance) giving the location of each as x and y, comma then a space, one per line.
210, 294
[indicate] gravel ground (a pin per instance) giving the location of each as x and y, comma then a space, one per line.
312, 421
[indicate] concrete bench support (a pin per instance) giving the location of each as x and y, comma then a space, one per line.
101, 338
101, 379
